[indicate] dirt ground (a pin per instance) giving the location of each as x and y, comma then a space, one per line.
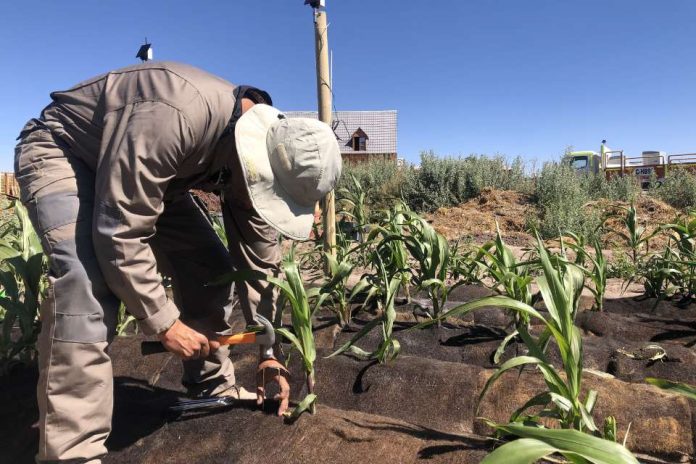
475, 220
421, 407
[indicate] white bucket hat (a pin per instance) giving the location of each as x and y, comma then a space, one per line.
289, 164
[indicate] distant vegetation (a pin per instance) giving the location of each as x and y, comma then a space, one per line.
556, 190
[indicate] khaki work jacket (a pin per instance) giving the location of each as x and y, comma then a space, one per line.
148, 132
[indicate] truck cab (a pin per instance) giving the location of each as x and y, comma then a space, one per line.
585, 162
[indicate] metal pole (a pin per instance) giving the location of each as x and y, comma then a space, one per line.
321, 39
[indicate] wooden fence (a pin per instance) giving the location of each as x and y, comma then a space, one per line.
8, 184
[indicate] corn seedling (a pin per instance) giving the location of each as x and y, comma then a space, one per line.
432, 254
384, 288
124, 321
301, 336
560, 284
340, 267
683, 255
510, 278
389, 248
219, 228
658, 273
635, 235
463, 266
352, 203
683, 389
597, 274
537, 443
23, 283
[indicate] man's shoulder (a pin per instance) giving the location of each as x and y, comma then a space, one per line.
197, 77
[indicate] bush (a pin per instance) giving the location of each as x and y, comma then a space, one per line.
624, 188
380, 179
561, 195
678, 189
450, 181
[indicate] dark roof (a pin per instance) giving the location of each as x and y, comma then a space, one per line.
378, 126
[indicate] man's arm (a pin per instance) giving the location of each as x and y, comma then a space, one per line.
142, 147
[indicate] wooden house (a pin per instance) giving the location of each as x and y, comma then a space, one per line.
362, 135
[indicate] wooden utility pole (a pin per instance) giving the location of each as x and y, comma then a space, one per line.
321, 40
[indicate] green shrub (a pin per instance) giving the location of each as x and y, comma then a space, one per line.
678, 189
561, 195
624, 188
449, 181
621, 267
381, 180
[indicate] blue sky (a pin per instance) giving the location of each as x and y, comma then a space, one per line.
512, 77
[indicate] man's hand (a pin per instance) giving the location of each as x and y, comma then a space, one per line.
186, 343
272, 371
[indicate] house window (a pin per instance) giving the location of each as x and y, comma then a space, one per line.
359, 140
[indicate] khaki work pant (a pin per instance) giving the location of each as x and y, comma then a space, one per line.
79, 316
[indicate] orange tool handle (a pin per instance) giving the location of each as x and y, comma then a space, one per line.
238, 339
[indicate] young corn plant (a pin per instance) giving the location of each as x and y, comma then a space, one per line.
560, 285
463, 266
658, 274
432, 254
536, 443
635, 236
352, 201
22, 271
301, 336
683, 389
383, 287
340, 267
510, 278
683, 256
125, 321
597, 274
389, 248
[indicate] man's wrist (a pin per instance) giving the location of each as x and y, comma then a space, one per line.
166, 329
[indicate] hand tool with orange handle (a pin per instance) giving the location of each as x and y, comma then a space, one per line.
261, 334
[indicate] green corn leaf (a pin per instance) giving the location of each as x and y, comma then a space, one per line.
587, 419
364, 331
503, 345
542, 399
296, 343
574, 443
522, 451
304, 405
506, 366
500, 301
676, 387
590, 400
